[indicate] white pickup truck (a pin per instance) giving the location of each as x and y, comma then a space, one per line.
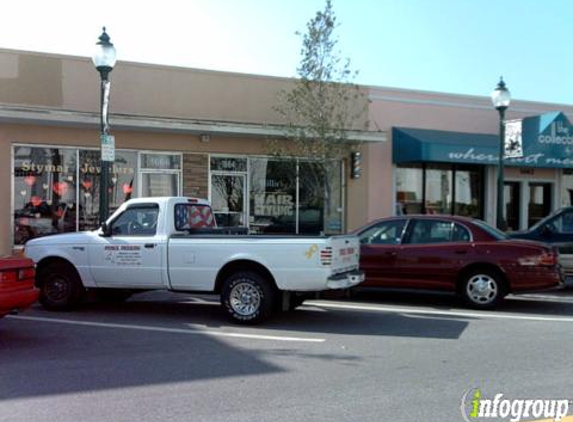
172, 243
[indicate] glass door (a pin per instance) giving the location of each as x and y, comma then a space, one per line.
228, 199
539, 202
511, 196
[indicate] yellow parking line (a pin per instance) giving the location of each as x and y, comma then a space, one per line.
565, 419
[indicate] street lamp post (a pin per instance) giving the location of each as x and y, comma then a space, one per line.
104, 59
500, 98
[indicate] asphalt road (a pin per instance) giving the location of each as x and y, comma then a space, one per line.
375, 357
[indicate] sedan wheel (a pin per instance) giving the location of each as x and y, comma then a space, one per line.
482, 290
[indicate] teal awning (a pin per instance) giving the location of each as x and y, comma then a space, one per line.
547, 141
421, 145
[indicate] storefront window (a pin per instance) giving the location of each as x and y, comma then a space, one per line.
440, 189
121, 188
468, 193
333, 216
272, 196
539, 202
228, 164
160, 174
567, 188
57, 190
44, 192
409, 190
228, 199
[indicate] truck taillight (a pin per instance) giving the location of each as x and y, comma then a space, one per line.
326, 256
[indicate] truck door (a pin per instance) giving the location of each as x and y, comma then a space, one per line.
132, 255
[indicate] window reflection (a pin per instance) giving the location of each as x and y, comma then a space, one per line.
45, 192
440, 189
272, 196
409, 190
57, 189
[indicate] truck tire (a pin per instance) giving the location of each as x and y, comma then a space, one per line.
248, 297
60, 286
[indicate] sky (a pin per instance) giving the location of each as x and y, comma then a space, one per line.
452, 46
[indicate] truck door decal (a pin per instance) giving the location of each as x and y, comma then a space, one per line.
124, 255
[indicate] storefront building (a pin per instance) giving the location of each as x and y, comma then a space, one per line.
447, 172
204, 133
177, 132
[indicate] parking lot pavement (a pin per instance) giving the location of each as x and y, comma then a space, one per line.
382, 356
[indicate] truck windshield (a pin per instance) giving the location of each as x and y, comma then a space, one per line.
193, 216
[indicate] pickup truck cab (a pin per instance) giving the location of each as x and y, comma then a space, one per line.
172, 243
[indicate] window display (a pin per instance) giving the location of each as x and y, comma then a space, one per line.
57, 190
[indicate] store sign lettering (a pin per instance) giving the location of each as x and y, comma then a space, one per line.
41, 168
273, 204
559, 135
471, 155
86, 168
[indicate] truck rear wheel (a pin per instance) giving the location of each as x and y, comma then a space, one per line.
60, 286
247, 297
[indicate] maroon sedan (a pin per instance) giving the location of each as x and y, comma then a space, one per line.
468, 257
17, 291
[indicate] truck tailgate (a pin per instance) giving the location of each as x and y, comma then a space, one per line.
345, 253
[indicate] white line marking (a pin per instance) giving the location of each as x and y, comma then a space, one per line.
398, 309
168, 330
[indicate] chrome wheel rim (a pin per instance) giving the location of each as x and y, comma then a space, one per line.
245, 299
482, 289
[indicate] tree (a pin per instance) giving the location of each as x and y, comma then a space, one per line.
320, 112
324, 105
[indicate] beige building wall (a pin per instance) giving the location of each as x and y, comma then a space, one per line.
54, 100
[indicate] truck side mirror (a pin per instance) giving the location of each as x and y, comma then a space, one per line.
105, 229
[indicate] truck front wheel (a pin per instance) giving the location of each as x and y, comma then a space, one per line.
247, 297
60, 286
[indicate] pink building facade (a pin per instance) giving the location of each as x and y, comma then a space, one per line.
203, 133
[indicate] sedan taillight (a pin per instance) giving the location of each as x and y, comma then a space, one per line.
9, 276
546, 259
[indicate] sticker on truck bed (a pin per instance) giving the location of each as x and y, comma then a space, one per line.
311, 251
124, 255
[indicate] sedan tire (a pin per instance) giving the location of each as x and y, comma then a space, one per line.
482, 289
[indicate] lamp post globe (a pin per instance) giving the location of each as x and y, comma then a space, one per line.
104, 59
501, 98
